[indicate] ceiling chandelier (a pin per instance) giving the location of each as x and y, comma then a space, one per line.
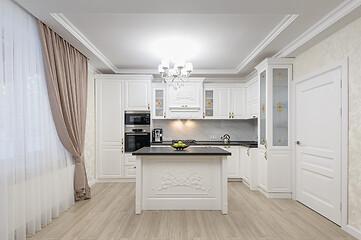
177, 75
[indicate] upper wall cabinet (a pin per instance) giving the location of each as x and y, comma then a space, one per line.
252, 105
159, 101
224, 101
137, 94
185, 102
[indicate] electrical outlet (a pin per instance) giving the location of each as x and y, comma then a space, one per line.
213, 137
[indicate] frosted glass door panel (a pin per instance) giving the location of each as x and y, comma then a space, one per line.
209, 103
280, 107
159, 103
262, 111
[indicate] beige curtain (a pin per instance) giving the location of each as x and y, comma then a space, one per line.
66, 72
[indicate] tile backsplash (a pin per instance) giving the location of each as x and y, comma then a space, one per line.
207, 130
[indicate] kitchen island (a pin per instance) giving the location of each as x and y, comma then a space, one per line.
192, 179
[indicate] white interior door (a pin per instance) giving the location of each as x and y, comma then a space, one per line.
318, 153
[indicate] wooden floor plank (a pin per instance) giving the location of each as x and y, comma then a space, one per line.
109, 215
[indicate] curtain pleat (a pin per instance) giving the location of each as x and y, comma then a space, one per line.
66, 71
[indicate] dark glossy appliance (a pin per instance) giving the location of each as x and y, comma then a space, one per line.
137, 130
157, 135
137, 118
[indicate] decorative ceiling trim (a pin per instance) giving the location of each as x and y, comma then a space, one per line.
66, 23
92, 69
281, 26
332, 17
197, 71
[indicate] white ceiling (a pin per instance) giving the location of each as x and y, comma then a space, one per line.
232, 35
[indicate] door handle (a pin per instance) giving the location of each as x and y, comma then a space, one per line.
232, 114
298, 142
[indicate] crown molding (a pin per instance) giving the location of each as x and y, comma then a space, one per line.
92, 69
336, 14
66, 23
281, 26
197, 71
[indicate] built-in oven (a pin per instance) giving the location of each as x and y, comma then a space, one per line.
137, 131
136, 140
137, 118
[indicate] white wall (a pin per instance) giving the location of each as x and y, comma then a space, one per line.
89, 147
202, 130
346, 43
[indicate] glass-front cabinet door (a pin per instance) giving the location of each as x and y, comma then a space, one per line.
159, 103
280, 106
208, 103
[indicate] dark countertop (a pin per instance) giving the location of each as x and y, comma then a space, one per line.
216, 151
250, 144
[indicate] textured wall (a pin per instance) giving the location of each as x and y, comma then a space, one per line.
342, 44
90, 131
202, 130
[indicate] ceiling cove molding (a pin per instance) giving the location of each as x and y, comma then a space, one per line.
81, 37
92, 69
281, 26
197, 71
332, 17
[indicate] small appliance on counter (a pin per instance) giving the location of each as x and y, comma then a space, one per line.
226, 138
157, 135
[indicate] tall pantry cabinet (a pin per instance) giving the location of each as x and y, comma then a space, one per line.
274, 132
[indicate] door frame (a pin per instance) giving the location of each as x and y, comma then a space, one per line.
343, 65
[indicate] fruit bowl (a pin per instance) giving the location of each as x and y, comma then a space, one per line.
179, 148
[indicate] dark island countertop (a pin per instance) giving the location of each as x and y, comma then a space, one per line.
250, 144
216, 151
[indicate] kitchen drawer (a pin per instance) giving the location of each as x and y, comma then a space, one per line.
129, 159
130, 171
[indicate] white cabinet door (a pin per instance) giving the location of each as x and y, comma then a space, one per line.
223, 103
252, 100
238, 103
245, 164
262, 169
109, 128
233, 162
159, 103
137, 95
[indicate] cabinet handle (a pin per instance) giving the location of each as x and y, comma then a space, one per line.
265, 144
122, 141
227, 147
265, 155
232, 114
148, 106
164, 115
248, 152
134, 167
122, 150
204, 114
254, 116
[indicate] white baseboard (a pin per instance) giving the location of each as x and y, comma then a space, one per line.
353, 231
234, 179
276, 195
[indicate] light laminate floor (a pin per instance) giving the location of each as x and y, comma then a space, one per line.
110, 215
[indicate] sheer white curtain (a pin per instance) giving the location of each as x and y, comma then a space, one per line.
36, 172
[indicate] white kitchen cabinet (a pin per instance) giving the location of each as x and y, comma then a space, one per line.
238, 102
275, 149
185, 102
249, 166
233, 162
129, 165
223, 103
159, 101
109, 128
252, 103
137, 94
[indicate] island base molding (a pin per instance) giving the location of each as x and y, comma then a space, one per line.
185, 182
